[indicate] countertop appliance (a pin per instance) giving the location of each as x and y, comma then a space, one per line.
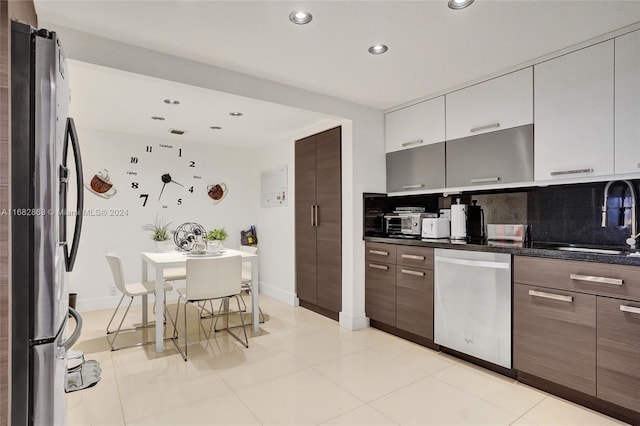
475, 221
458, 221
436, 227
42, 256
472, 303
406, 221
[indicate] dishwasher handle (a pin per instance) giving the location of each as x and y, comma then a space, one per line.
474, 263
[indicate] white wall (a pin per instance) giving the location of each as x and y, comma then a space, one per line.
91, 277
363, 159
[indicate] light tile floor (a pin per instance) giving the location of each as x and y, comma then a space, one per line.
302, 369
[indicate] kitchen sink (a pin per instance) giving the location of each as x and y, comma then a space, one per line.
591, 250
609, 250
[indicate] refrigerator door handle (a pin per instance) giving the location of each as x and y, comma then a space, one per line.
72, 135
68, 344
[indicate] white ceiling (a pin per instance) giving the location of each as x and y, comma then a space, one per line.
123, 102
431, 48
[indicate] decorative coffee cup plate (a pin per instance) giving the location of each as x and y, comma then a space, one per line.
105, 195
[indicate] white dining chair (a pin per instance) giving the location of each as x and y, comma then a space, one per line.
130, 290
247, 278
208, 279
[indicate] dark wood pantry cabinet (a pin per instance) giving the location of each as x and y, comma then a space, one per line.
318, 216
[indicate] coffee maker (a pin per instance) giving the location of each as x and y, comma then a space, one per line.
475, 221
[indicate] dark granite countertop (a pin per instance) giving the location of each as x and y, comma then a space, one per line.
548, 250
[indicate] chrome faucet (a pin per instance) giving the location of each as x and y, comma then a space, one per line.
631, 241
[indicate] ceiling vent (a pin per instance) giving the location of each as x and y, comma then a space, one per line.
177, 131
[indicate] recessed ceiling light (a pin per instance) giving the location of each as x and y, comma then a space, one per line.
215, 127
172, 102
378, 49
300, 17
459, 4
235, 114
155, 117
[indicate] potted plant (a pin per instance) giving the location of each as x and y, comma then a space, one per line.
159, 232
215, 237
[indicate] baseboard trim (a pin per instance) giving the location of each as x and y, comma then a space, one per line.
353, 323
280, 295
319, 310
592, 402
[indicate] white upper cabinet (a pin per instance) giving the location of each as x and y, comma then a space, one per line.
417, 125
501, 103
574, 114
627, 110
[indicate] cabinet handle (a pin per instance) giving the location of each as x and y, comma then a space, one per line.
412, 256
571, 172
374, 266
601, 280
410, 272
630, 309
550, 296
414, 186
312, 209
315, 217
483, 180
412, 143
379, 252
488, 126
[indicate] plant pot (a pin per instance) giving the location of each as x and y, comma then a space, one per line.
214, 246
161, 246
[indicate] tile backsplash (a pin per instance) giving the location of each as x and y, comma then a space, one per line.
559, 213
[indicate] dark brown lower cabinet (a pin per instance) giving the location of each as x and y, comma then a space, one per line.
554, 336
619, 352
399, 288
414, 301
380, 292
318, 222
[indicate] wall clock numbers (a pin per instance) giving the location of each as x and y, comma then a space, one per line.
162, 176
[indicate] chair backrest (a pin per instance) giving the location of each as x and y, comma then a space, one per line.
212, 277
116, 270
246, 266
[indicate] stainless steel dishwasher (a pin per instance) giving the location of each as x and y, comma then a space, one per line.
472, 304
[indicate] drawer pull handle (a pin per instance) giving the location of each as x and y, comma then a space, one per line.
415, 186
601, 280
550, 296
571, 172
379, 252
412, 143
374, 266
410, 272
630, 309
488, 126
412, 256
485, 180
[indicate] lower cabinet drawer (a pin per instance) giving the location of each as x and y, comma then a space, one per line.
380, 292
380, 252
619, 352
415, 301
554, 336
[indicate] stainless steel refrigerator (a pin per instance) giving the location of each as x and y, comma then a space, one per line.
45, 159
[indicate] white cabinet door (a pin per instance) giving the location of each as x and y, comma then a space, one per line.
574, 114
627, 109
501, 103
417, 125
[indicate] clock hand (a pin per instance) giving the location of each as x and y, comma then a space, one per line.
173, 181
163, 185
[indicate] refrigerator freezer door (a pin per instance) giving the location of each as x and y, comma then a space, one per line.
49, 375
50, 293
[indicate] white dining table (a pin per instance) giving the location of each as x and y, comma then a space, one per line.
161, 261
